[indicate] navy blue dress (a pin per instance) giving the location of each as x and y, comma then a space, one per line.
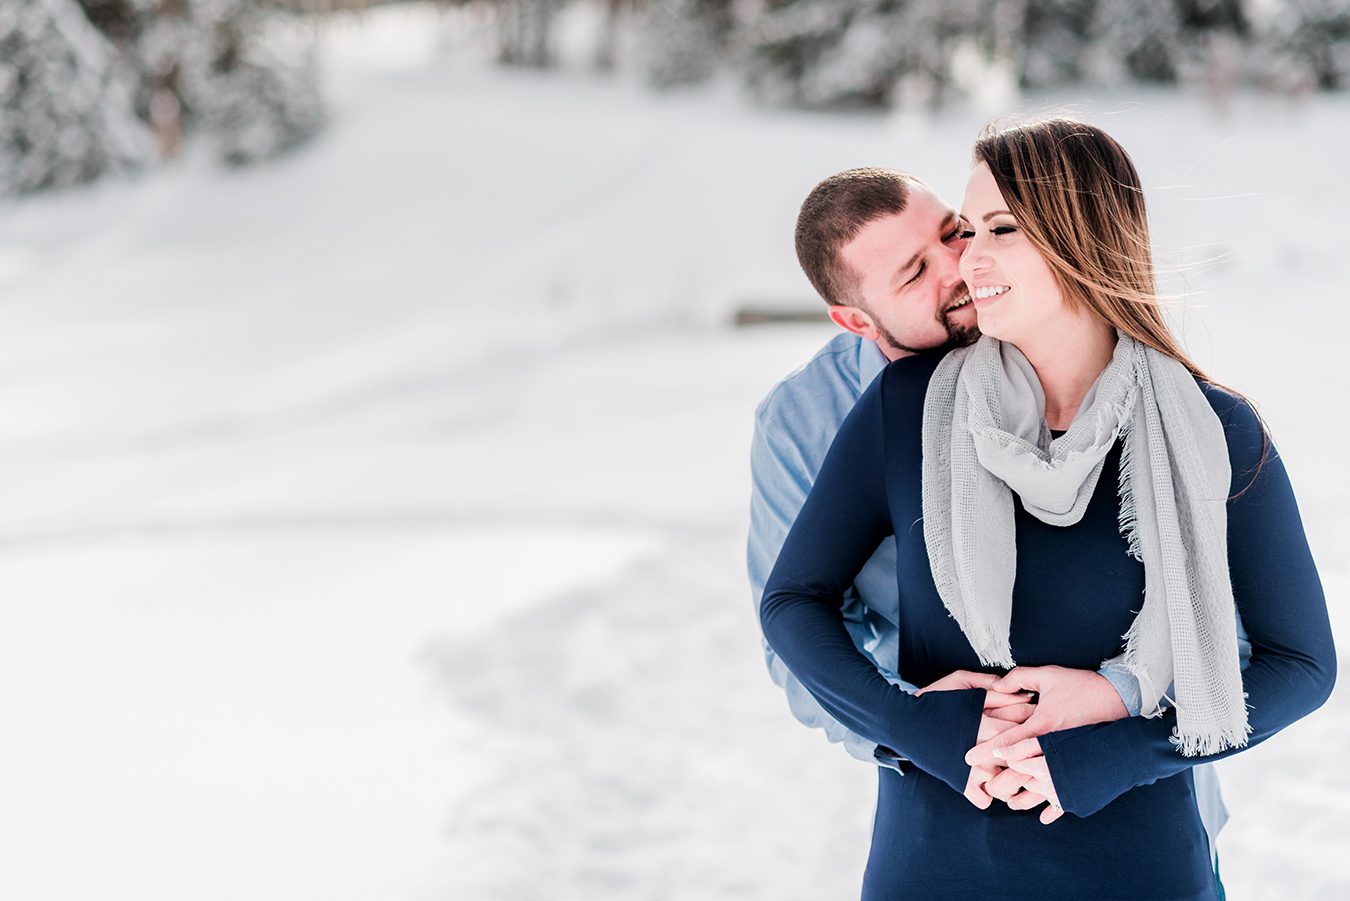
1132, 828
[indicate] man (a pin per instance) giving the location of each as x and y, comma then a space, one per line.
882, 249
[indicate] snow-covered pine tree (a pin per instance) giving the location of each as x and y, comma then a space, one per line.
525, 31
1305, 44
1138, 40
1164, 40
1055, 36
784, 39
880, 44
251, 75
66, 111
242, 73
683, 40
818, 53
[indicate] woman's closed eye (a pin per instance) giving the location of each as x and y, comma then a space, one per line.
997, 230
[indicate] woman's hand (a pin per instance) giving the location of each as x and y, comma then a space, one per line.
1026, 782
1066, 698
977, 792
1002, 711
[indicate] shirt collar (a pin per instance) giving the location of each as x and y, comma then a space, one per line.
870, 362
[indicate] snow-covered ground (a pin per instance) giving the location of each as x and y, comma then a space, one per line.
372, 520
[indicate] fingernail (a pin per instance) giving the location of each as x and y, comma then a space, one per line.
997, 752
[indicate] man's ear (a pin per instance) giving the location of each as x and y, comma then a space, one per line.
855, 320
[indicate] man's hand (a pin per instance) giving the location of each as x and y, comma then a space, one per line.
1067, 698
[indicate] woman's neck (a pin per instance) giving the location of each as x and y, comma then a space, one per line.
1067, 363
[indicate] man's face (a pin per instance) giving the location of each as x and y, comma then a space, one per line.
911, 293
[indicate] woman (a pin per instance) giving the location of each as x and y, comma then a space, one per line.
1071, 463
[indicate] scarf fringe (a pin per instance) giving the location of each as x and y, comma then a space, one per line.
1203, 744
1127, 520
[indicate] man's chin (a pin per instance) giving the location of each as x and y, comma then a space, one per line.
962, 335
962, 326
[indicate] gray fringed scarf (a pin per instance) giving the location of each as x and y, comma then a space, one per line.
984, 437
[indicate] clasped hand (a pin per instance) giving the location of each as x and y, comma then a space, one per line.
1006, 763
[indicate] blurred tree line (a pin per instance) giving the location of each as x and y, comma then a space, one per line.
828, 53
92, 86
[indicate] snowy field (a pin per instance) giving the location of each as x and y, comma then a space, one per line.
373, 520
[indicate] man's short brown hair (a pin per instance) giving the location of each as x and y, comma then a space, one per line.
833, 214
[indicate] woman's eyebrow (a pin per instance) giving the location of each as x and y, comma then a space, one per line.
991, 215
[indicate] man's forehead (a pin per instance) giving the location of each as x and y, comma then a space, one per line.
927, 203
907, 232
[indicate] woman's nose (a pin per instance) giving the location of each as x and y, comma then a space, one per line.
973, 259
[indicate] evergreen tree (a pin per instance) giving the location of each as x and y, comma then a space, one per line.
1134, 40
66, 111
1056, 35
84, 84
1163, 40
684, 39
252, 78
1305, 44
786, 39
524, 32
817, 53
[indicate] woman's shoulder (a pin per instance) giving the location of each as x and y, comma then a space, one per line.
1249, 444
1236, 412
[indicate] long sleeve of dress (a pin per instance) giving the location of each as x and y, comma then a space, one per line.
1280, 599
781, 475
843, 520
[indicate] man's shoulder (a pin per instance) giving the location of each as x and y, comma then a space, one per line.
819, 386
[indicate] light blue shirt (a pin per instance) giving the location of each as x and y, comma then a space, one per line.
794, 427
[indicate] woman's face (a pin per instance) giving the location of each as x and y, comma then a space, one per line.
1015, 294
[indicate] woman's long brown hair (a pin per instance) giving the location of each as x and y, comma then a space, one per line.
1078, 198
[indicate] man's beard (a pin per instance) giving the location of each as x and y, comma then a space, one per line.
957, 335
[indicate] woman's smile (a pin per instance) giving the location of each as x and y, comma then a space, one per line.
982, 296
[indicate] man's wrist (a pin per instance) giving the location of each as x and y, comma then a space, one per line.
1126, 685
